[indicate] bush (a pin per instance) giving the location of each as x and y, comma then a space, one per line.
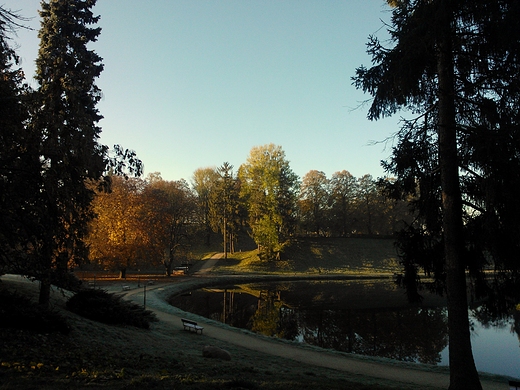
99, 305
19, 312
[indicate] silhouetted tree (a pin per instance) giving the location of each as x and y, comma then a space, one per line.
19, 162
454, 64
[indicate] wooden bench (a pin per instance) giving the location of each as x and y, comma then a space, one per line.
126, 287
191, 325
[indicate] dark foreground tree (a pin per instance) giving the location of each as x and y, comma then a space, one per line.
65, 119
19, 162
455, 65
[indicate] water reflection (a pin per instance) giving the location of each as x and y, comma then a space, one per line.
364, 317
368, 318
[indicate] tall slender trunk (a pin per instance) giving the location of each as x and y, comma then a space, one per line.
225, 237
463, 373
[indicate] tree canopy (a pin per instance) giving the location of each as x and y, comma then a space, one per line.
269, 187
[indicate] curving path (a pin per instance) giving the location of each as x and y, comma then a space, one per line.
404, 373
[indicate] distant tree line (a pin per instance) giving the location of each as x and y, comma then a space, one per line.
148, 222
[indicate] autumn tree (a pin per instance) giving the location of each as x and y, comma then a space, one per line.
169, 209
117, 237
454, 64
314, 201
269, 189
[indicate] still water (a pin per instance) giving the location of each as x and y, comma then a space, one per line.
363, 317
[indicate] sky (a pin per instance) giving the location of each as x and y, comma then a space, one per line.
191, 84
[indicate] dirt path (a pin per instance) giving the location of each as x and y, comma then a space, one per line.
398, 372
208, 265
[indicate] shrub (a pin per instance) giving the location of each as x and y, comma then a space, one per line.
19, 312
101, 306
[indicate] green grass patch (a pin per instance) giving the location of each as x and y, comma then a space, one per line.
319, 256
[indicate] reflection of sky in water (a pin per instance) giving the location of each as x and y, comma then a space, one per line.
495, 350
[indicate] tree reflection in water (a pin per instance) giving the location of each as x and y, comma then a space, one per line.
368, 318
413, 334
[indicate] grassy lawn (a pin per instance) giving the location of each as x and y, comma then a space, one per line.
318, 256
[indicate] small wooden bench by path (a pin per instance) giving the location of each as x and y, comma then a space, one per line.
191, 325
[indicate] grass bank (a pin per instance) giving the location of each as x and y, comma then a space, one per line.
350, 256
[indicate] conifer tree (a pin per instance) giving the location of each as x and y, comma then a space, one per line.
19, 164
66, 120
454, 64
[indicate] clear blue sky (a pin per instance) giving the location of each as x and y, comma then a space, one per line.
194, 83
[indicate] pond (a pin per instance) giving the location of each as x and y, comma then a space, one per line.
364, 317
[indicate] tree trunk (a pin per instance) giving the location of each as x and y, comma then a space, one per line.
207, 239
122, 273
168, 268
45, 292
45, 275
225, 238
463, 373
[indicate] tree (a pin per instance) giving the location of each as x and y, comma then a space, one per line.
394, 213
314, 201
19, 163
169, 209
50, 154
203, 181
268, 187
343, 194
66, 118
224, 206
367, 197
455, 65
117, 236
